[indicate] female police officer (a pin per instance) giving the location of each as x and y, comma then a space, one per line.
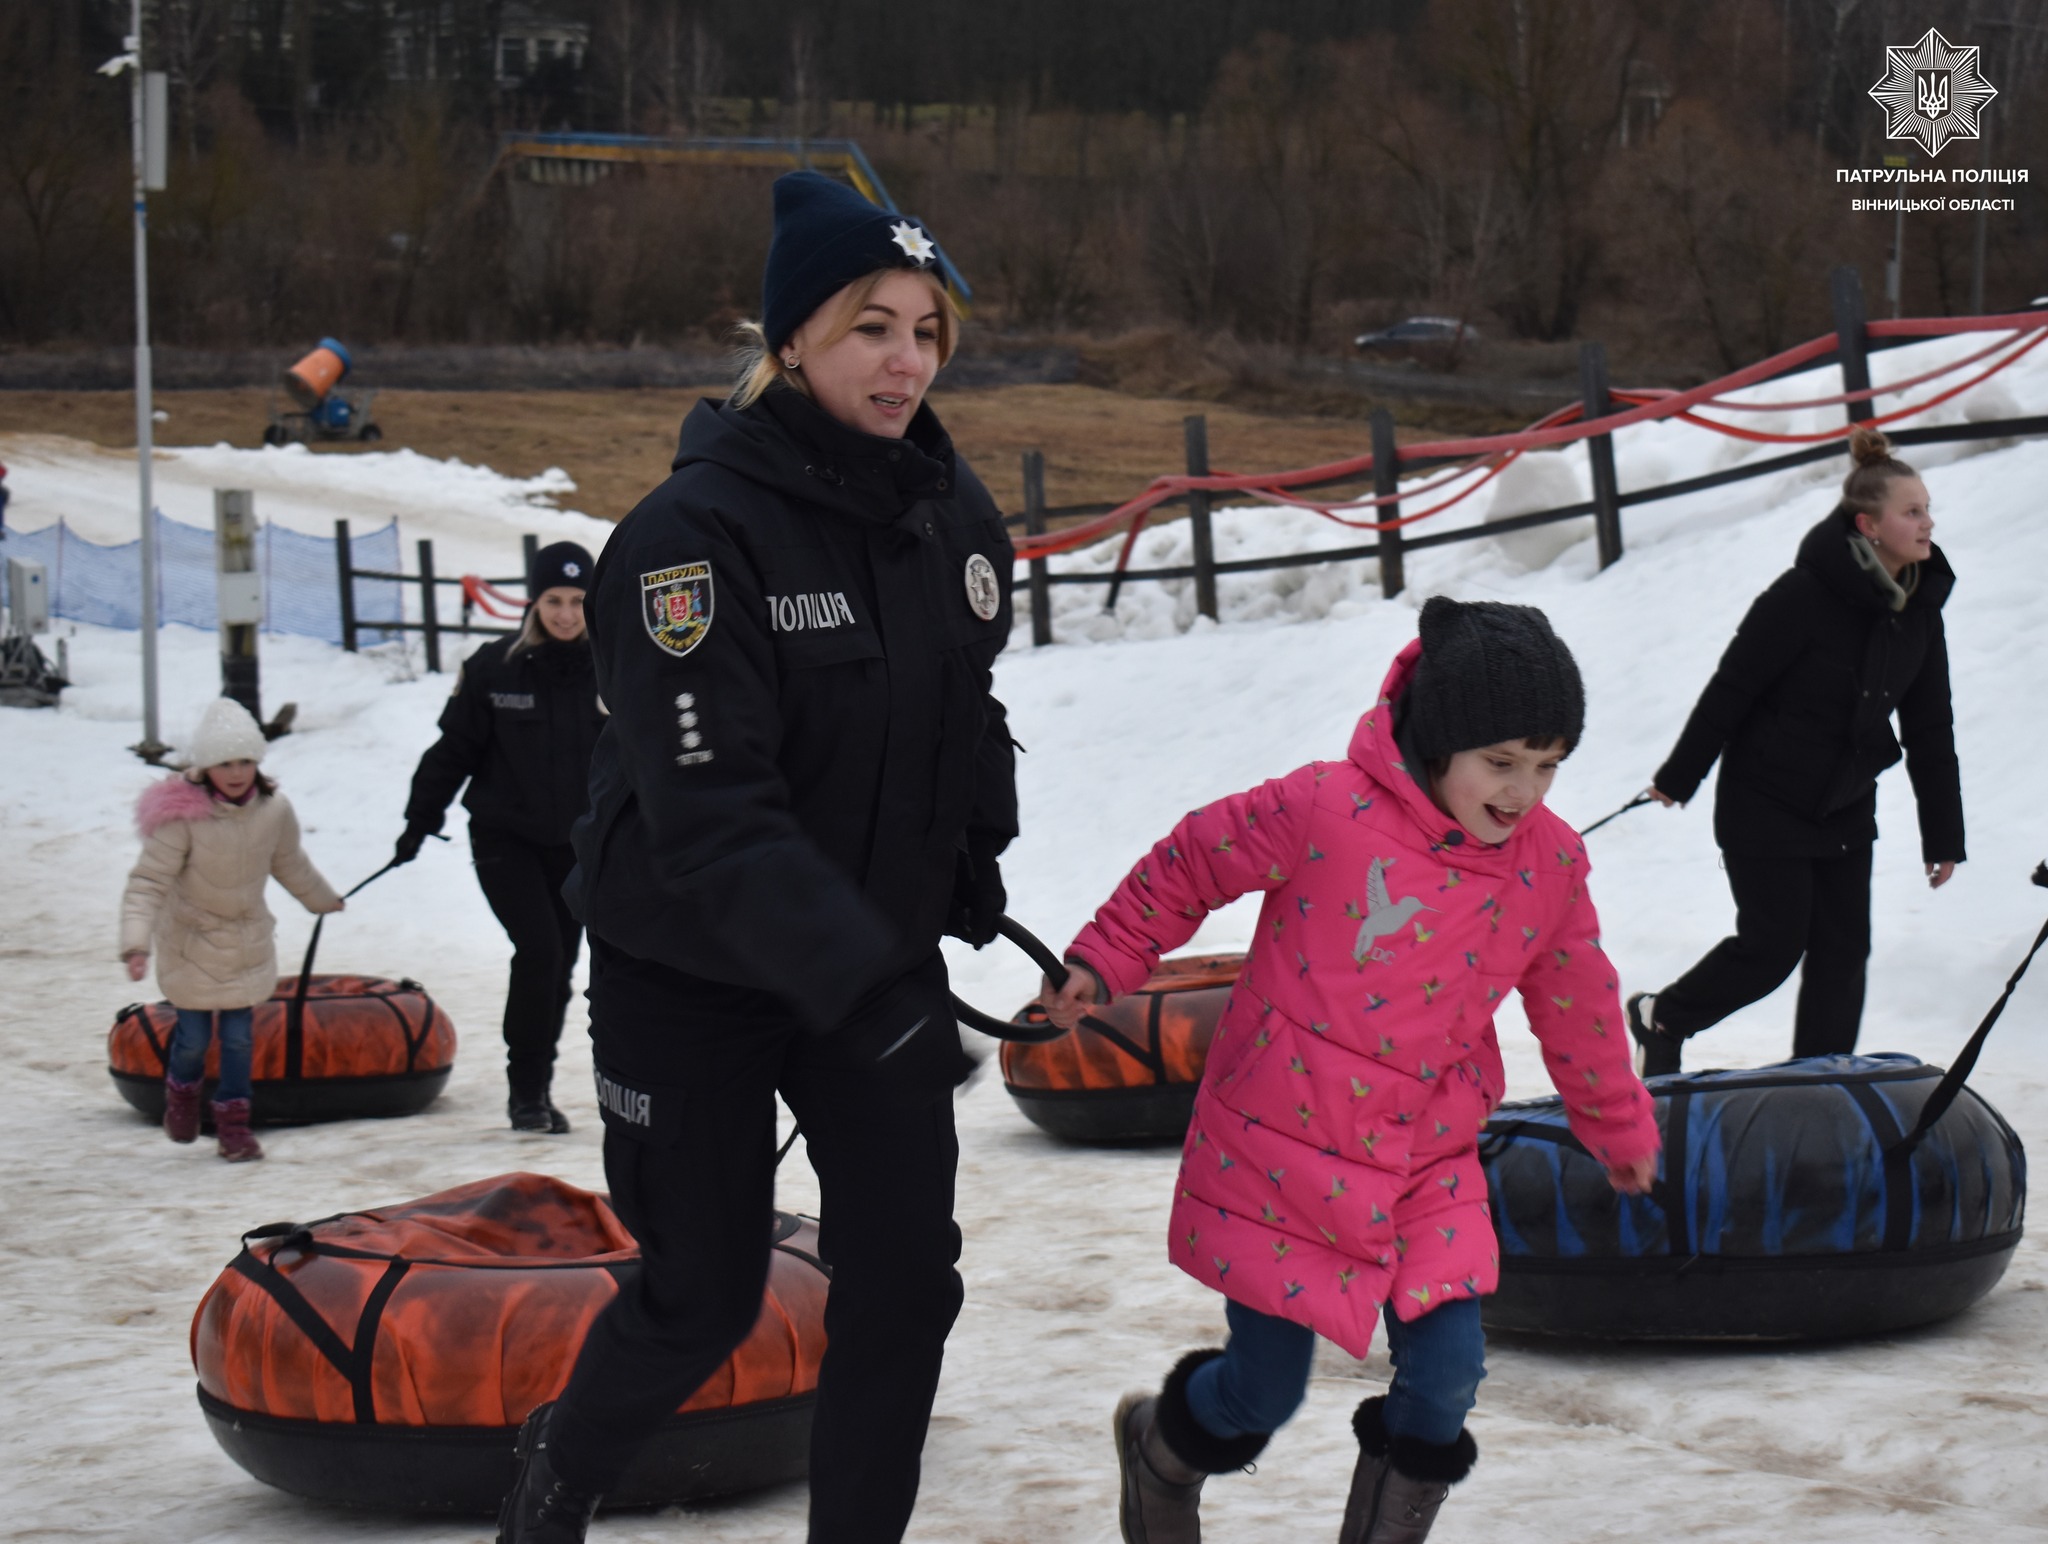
520, 729
803, 783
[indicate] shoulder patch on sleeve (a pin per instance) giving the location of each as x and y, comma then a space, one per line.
675, 606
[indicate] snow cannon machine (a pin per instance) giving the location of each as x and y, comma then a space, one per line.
1129, 1073
326, 1047
387, 1358
1791, 1203
325, 412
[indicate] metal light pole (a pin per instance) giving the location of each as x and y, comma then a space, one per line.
148, 101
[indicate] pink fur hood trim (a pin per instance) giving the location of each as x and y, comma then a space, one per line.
175, 797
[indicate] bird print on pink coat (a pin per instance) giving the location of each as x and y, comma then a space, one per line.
1384, 916
1331, 1165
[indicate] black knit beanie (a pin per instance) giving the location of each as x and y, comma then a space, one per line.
1489, 672
826, 236
561, 565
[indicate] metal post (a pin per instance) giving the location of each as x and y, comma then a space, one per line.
1977, 265
152, 747
430, 619
1386, 479
1895, 270
240, 595
1851, 346
529, 550
1195, 429
1034, 525
345, 566
1600, 452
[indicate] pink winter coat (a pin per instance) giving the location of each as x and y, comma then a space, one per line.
1332, 1164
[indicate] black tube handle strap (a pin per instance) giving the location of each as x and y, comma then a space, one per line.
1959, 1071
1055, 972
295, 1014
1634, 804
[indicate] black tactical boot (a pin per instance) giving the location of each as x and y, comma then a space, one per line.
542, 1509
532, 1110
1164, 1454
1400, 1482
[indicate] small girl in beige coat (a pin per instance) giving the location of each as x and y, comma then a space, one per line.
211, 837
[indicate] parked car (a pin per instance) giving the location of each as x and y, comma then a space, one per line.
1419, 334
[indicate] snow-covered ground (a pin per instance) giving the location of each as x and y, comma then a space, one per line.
109, 1235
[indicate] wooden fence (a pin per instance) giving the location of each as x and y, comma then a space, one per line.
429, 626
1853, 347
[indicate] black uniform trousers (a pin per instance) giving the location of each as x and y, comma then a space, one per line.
692, 1174
522, 881
1786, 908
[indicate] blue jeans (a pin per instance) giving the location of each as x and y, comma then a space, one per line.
1262, 1376
188, 1048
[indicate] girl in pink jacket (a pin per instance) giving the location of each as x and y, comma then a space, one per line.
1331, 1174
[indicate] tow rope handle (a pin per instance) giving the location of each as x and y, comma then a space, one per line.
295, 1014
1055, 971
1636, 803
1958, 1074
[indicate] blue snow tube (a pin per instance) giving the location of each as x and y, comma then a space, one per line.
1790, 1205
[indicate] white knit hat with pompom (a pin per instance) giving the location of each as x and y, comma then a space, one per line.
226, 732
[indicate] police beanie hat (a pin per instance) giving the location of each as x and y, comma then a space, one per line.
562, 565
226, 732
826, 236
1489, 672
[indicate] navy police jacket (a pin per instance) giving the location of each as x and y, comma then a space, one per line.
520, 727
794, 636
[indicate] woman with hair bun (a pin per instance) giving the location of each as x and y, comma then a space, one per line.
1800, 713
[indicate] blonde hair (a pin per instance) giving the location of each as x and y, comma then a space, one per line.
761, 367
1864, 490
533, 632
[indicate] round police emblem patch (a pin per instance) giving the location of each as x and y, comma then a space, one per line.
983, 593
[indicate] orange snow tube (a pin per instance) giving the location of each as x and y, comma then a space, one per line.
387, 1358
1131, 1074
352, 1046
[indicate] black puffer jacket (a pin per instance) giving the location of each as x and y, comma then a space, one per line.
1800, 710
520, 728
795, 636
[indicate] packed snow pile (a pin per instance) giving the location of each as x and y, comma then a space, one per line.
112, 1234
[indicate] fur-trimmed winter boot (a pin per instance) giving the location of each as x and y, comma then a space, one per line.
1400, 1482
1164, 1454
541, 1508
181, 1109
238, 1143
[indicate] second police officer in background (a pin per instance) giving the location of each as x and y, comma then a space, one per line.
804, 781
519, 729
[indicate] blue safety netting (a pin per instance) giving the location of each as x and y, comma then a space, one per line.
301, 583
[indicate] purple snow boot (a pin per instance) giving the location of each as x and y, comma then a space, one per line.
231, 1124
181, 1110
